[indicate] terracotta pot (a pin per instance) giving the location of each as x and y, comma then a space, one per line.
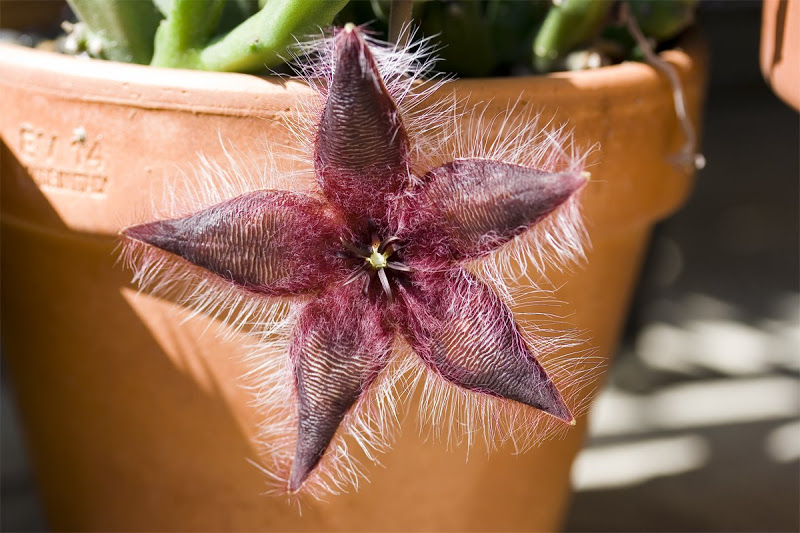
780, 49
135, 420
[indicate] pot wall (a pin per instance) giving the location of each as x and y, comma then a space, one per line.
136, 420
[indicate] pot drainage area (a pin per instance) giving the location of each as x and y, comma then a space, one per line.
697, 428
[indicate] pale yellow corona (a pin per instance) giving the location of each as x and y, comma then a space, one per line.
376, 259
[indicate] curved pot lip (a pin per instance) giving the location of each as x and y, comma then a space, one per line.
156, 87
160, 117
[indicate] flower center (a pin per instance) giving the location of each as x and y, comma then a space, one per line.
377, 259
375, 262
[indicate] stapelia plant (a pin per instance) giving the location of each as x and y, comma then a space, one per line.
379, 255
225, 35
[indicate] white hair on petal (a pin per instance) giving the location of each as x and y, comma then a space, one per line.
408, 74
367, 430
268, 321
167, 276
460, 417
400, 67
519, 135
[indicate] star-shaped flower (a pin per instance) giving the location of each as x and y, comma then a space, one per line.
381, 252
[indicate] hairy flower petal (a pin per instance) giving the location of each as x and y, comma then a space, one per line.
381, 251
469, 207
272, 242
463, 331
339, 346
361, 148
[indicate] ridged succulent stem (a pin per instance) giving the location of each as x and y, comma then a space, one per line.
262, 39
568, 24
188, 27
124, 28
184, 39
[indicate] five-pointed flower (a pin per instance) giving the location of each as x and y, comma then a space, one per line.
382, 252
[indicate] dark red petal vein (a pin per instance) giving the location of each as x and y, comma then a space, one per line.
361, 148
469, 207
273, 242
463, 331
338, 348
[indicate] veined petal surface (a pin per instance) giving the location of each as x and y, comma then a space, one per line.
361, 147
469, 207
338, 348
271, 242
466, 333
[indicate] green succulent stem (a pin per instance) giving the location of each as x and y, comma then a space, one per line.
568, 24
184, 39
188, 27
261, 40
165, 6
482, 37
663, 19
125, 28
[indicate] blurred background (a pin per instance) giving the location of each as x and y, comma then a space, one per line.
697, 428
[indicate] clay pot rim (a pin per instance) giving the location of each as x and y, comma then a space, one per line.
93, 80
626, 92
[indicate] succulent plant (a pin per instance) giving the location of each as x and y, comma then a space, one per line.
233, 35
478, 37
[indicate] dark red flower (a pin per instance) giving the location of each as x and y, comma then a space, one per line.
382, 251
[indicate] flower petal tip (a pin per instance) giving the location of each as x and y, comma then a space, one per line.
300, 472
569, 183
575, 180
547, 398
557, 408
350, 36
141, 232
